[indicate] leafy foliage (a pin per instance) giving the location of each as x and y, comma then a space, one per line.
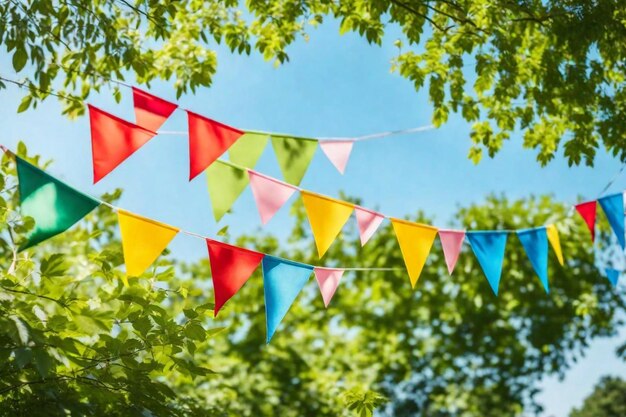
608, 399
553, 69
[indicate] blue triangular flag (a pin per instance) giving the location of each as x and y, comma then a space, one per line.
612, 275
488, 246
613, 206
282, 281
535, 242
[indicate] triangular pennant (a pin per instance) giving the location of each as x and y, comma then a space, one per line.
53, 205
489, 247
269, 194
327, 217
338, 152
328, 280
208, 140
282, 282
294, 156
535, 242
248, 149
151, 111
415, 242
231, 267
112, 141
613, 207
451, 243
612, 275
226, 183
368, 222
588, 212
143, 240
555, 242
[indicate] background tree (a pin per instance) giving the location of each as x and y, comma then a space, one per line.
608, 399
554, 69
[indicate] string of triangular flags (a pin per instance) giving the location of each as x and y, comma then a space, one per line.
56, 206
114, 139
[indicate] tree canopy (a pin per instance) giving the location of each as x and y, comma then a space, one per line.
608, 399
554, 70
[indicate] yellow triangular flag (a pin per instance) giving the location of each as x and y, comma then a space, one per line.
143, 240
327, 217
555, 242
415, 241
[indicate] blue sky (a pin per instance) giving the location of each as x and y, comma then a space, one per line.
333, 86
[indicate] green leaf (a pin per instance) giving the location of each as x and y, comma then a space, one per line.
54, 266
190, 313
142, 325
195, 332
20, 56
25, 104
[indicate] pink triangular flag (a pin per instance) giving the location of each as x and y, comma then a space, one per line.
269, 194
338, 152
368, 222
328, 281
451, 242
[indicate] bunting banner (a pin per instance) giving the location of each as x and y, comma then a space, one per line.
327, 217
52, 204
294, 156
613, 207
451, 243
613, 276
535, 242
555, 242
489, 247
338, 152
415, 242
248, 149
270, 195
208, 140
113, 140
143, 240
151, 111
368, 222
588, 212
231, 267
225, 185
282, 282
328, 281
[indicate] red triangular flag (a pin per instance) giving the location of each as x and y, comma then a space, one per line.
588, 213
231, 267
151, 111
208, 140
112, 141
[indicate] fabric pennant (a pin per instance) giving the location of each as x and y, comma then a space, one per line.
151, 111
451, 243
415, 242
282, 282
226, 184
489, 247
53, 205
328, 281
269, 194
588, 212
613, 207
294, 156
368, 222
113, 140
535, 242
612, 275
231, 267
208, 140
143, 240
555, 242
248, 149
327, 217
338, 152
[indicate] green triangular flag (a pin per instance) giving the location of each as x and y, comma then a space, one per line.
226, 183
248, 149
54, 205
294, 156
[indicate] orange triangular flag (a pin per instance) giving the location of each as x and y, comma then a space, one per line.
208, 140
415, 242
112, 141
327, 216
151, 111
